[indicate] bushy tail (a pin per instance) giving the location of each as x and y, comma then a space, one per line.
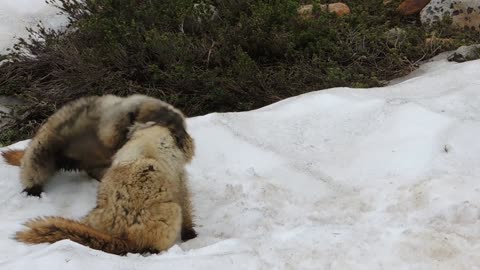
53, 229
13, 157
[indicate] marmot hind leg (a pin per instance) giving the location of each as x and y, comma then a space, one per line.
160, 228
38, 163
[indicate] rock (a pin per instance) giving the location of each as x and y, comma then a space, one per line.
6, 105
464, 13
338, 8
409, 7
465, 53
306, 11
8, 102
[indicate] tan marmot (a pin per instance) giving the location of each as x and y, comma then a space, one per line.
142, 204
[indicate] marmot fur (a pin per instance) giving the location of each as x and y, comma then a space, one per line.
142, 203
84, 135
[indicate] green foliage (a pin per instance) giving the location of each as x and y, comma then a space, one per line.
211, 55
7, 136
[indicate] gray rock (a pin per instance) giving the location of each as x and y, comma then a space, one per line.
465, 53
464, 13
6, 105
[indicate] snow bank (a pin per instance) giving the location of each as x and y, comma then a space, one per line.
383, 178
16, 15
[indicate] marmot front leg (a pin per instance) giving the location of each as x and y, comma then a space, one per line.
38, 162
188, 232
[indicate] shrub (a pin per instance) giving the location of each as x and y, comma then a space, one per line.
239, 55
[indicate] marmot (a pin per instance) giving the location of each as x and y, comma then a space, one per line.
84, 135
142, 202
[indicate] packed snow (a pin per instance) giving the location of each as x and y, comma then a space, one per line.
381, 178
16, 15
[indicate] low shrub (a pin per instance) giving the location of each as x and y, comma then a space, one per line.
210, 56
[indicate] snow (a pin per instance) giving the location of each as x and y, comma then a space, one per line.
16, 15
380, 178
336, 179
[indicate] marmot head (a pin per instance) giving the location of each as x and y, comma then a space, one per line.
159, 112
186, 144
150, 111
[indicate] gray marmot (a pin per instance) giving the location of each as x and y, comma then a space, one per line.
85, 134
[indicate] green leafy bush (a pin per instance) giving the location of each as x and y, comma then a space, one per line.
209, 56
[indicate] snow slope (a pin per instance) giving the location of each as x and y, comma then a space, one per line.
16, 15
383, 178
